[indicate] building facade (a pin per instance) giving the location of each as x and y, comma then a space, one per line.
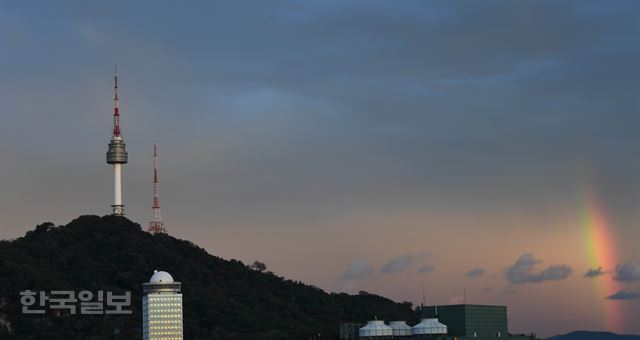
474, 321
162, 308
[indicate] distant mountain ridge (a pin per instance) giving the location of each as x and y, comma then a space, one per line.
223, 299
589, 335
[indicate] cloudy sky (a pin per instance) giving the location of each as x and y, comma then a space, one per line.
378, 146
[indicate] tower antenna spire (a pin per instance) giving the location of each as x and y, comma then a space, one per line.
116, 105
156, 225
117, 154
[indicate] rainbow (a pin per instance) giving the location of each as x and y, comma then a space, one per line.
602, 253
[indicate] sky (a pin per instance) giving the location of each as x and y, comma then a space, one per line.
484, 150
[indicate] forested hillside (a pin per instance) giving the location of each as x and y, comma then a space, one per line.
223, 299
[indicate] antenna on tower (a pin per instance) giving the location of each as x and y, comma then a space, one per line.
116, 105
156, 225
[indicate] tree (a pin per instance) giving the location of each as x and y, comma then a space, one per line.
259, 266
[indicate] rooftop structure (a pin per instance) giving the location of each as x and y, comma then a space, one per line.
429, 326
400, 328
375, 329
449, 322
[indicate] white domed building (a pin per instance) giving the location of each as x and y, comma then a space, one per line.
400, 329
429, 327
161, 308
375, 329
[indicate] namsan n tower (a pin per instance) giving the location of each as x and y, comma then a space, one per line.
117, 155
156, 225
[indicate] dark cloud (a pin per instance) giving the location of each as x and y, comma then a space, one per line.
403, 263
398, 264
522, 271
358, 269
594, 272
276, 132
487, 289
476, 272
628, 272
426, 269
623, 295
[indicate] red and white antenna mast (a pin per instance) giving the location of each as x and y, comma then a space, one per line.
156, 225
116, 106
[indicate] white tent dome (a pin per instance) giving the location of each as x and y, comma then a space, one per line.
375, 328
400, 328
161, 277
429, 326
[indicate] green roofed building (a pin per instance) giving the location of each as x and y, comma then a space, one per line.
472, 321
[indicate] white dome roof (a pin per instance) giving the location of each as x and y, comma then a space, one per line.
375, 328
429, 326
400, 328
161, 277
